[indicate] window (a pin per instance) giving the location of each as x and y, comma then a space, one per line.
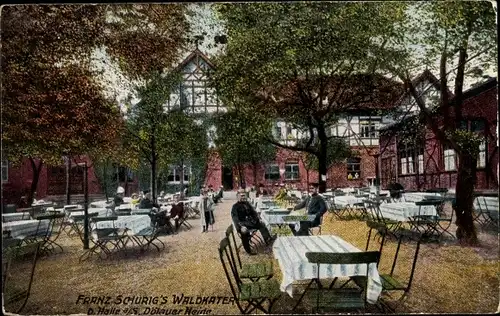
272, 172
278, 132
449, 158
291, 171
174, 175
411, 160
481, 160
289, 132
420, 161
368, 129
353, 168
5, 170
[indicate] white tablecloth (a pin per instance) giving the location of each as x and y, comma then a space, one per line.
21, 229
272, 219
73, 206
291, 255
10, 217
100, 204
101, 211
135, 223
347, 200
349, 190
402, 211
418, 196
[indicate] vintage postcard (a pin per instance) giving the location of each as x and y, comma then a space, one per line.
249, 158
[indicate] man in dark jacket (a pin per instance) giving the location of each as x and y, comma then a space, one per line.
315, 205
246, 218
147, 203
118, 198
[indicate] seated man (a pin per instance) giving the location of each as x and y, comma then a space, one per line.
217, 197
246, 218
147, 203
315, 205
118, 199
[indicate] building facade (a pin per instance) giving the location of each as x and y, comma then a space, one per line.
428, 163
17, 180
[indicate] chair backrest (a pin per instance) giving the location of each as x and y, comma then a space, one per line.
231, 274
232, 239
123, 211
366, 257
9, 208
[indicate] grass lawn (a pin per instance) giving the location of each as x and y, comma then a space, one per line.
448, 278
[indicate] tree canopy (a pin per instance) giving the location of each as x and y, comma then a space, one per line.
307, 63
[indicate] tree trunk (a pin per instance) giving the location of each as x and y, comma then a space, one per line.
240, 176
322, 167
68, 182
466, 231
153, 169
34, 183
182, 179
105, 180
254, 164
126, 182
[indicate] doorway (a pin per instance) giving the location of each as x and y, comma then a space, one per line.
227, 178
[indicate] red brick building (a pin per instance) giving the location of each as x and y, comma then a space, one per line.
430, 164
17, 180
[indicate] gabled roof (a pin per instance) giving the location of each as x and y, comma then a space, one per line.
195, 54
469, 93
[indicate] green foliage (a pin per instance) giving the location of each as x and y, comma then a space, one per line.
241, 138
467, 141
305, 63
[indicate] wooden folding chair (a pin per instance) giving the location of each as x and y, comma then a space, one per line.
52, 234
147, 237
254, 294
340, 299
391, 283
251, 271
103, 238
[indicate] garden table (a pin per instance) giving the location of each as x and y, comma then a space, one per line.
100, 204
404, 211
419, 196
347, 200
278, 219
133, 223
25, 228
291, 255
101, 211
10, 217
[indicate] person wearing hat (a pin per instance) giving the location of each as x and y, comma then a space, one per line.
118, 199
245, 218
261, 191
206, 210
146, 202
315, 205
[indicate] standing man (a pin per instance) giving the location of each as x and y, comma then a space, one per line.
315, 205
246, 218
206, 210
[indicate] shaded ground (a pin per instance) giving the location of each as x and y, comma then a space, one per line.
448, 278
